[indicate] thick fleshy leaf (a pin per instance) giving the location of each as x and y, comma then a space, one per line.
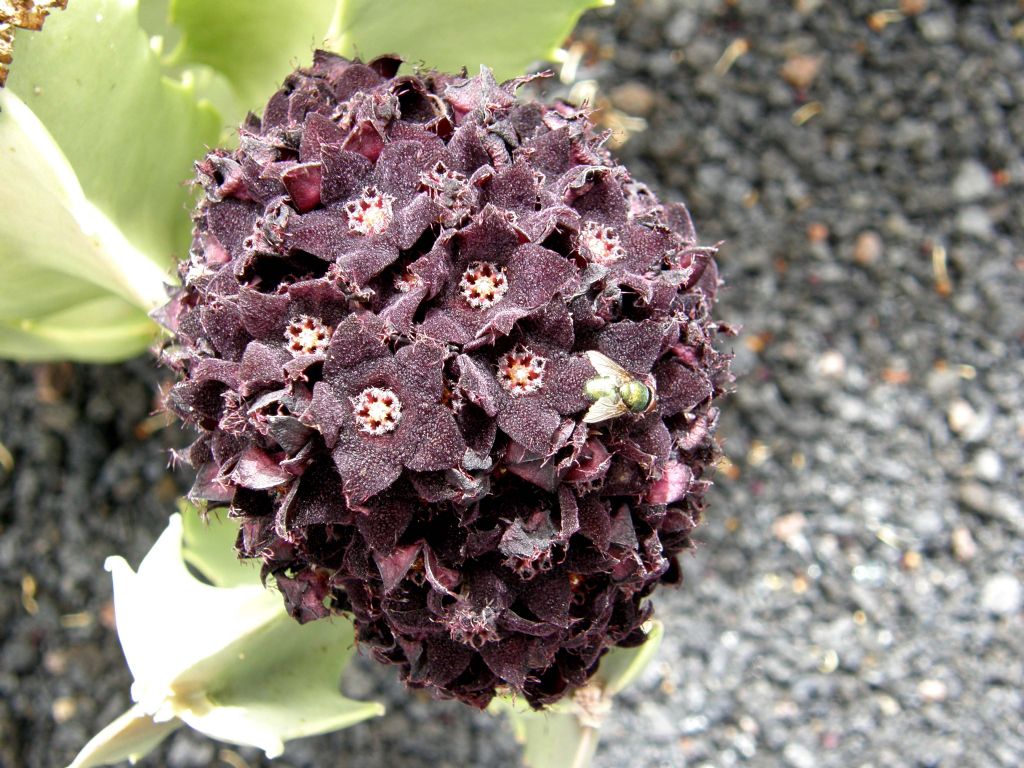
163, 609
280, 684
129, 133
554, 738
451, 34
130, 737
566, 734
208, 546
99, 330
621, 666
228, 661
57, 242
253, 44
21, 14
95, 145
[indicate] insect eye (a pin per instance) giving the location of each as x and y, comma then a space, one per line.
635, 395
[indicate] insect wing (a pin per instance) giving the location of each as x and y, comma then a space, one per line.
605, 366
604, 409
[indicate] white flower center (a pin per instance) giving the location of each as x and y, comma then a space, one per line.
406, 281
521, 371
600, 245
306, 335
377, 410
371, 213
473, 627
483, 285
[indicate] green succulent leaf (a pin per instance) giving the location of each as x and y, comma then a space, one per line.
451, 34
130, 737
129, 133
279, 684
50, 225
227, 661
71, 285
254, 43
208, 545
566, 734
620, 667
95, 145
104, 329
554, 738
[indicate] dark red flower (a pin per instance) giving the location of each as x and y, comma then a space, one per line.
453, 370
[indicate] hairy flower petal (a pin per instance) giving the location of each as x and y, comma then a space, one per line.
454, 370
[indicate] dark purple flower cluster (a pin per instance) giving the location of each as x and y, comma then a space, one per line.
452, 368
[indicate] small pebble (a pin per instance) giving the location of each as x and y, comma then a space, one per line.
913, 7
661, 726
868, 248
800, 71
975, 221
832, 364
1002, 595
964, 548
55, 662
961, 416
789, 526
976, 497
799, 756
888, 705
937, 27
988, 465
972, 182
817, 232
806, 7
63, 709
932, 690
682, 27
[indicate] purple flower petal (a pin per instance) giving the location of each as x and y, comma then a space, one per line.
383, 333
258, 471
303, 185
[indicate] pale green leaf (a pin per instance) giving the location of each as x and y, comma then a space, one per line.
448, 35
621, 666
155, 20
209, 547
70, 285
102, 330
557, 740
129, 737
49, 226
95, 147
31, 292
552, 738
280, 684
254, 43
163, 609
565, 735
129, 133
227, 661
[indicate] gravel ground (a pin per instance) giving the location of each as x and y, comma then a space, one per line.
859, 594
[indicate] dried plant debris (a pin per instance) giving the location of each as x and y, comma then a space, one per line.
21, 14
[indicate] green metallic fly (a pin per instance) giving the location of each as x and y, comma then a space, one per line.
615, 391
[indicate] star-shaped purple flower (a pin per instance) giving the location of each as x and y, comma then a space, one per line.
380, 412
